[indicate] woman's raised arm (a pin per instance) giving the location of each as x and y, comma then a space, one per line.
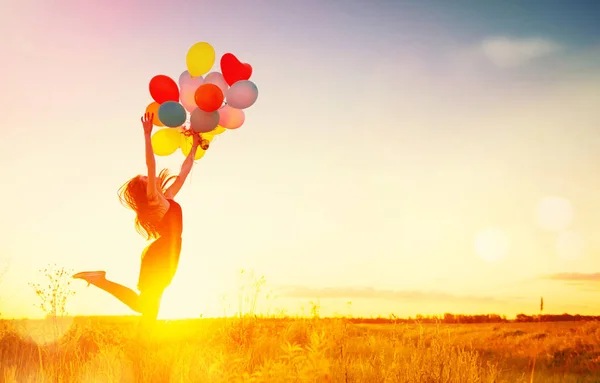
186, 167
152, 191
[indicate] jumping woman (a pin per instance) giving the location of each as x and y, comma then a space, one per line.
158, 218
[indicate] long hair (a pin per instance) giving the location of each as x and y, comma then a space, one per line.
134, 195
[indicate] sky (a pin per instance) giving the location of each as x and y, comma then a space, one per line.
408, 157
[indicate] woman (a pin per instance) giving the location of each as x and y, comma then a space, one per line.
158, 217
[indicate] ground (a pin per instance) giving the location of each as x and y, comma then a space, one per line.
297, 350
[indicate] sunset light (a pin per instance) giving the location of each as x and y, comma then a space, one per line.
300, 191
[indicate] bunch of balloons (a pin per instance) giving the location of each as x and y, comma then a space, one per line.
204, 103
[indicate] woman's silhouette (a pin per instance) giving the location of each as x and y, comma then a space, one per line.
158, 217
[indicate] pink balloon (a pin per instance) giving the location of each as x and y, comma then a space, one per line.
186, 79
186, 96
217, 79
242, 94
231, 118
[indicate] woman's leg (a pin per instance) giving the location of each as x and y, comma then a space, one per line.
150, 302
146, 303
154, 277
122, 293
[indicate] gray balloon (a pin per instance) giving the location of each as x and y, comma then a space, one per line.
204, 122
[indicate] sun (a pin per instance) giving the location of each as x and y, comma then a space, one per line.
187, 300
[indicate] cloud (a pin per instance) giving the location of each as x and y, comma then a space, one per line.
571, 277
372, 293
506, 52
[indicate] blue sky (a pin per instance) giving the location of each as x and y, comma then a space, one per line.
571, 22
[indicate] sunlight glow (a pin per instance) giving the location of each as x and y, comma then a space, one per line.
492, 244
413, 197
554, 213
44, 331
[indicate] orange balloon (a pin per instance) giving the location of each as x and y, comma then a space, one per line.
153, 108
209, 97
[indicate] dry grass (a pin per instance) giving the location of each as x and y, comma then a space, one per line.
300, 350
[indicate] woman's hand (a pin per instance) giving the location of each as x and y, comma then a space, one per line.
200, 142
197, 139
147, 122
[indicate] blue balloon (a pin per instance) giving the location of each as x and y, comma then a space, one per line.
171, 114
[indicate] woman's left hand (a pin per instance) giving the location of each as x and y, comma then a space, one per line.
147, 122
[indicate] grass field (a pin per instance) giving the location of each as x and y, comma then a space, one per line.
297, 350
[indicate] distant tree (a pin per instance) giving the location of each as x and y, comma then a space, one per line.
449, 318
54, 296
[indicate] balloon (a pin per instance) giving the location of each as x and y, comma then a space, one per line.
218, 130
200, 58
172, 114
186, 143
203, 122
233, 70
165, 141
217, 79
231, 118
163, 88
187, 97
209, 97
153, 109
186, 79
242, 94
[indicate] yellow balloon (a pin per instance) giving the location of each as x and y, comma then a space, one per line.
165, 141
153, 108
218, 130
186, 142
200, 59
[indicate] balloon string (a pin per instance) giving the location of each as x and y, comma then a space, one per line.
204, 144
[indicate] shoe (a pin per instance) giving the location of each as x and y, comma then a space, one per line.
90, 276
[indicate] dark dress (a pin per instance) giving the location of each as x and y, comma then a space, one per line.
161, 258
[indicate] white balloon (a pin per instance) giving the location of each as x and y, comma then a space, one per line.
242, 94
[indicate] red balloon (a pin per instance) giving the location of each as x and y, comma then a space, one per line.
163, 88
209, 97
233, 70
